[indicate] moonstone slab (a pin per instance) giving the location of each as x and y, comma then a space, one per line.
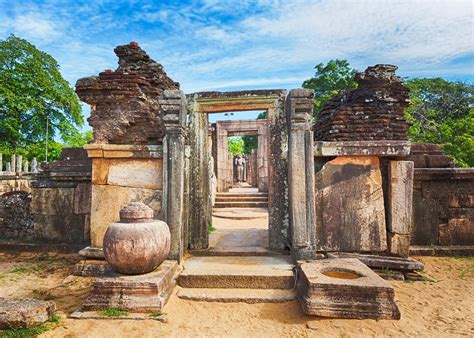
344, 288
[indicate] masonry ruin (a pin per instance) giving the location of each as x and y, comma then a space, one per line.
347, 192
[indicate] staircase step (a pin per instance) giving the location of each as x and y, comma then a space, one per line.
241, 205
241, 199
250, 296
251, 272
227, 194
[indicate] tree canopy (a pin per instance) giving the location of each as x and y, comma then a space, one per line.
235, 145
443, 112
330, 79
32, 92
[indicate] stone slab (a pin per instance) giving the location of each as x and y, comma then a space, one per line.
250, 296
238, 272
92, 252
382, 262
136, 173
240, 213
124, 150
324, 290
362, 148
349, 203
16, 313
136, 293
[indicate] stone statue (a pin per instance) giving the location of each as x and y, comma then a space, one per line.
240, 163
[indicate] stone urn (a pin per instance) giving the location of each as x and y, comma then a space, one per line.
138, 244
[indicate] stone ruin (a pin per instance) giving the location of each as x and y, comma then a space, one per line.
124, 103
373, 111
342, 190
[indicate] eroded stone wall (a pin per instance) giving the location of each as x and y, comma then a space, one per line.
16, 221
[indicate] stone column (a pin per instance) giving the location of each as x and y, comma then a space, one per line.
18, 163
299, 109
262, 161
173, 105
13, 163
26, 166
222, 159
34, 165
399, 206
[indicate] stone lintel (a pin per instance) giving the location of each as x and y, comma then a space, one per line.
124, 151
362, 148
428, 174
227, 102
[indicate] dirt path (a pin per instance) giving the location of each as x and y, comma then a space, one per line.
439, 308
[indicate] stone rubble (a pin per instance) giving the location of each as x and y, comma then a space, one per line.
24, 313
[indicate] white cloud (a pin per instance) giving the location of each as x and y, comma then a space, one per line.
33, 25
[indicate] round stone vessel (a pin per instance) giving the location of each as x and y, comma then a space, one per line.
138, 244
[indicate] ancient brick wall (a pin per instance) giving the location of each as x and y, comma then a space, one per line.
373, 111
443, 199
124, 103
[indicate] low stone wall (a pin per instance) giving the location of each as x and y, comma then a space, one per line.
9, 183
443, 207
16, 221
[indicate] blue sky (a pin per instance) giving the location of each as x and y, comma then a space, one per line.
228, 45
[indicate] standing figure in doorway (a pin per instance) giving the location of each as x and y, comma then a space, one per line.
240, 163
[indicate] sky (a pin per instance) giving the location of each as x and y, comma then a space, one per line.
244, 44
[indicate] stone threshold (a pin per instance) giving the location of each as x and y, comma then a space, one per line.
249, 296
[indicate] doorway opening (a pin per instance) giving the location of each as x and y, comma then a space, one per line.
239, 184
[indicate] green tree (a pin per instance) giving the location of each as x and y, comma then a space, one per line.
443, 112
329, 80
251, 142
235, 145
32, 93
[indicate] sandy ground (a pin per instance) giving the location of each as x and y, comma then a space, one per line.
443, 307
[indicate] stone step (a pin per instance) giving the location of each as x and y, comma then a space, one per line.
228, 194
241, 205
251, 272
241, 199
250, 296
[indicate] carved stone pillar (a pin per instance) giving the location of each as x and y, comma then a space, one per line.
173, 106
299, 108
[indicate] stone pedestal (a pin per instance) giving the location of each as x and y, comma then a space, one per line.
344, 288
140, 293
122, 174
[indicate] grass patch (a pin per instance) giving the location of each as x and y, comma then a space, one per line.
113, 312
210, 228
20, 270
157, 314
32, 331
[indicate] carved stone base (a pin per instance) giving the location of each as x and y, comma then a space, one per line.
140, 293
344, 288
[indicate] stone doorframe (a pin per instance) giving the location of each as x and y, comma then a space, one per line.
201, 104
225, 129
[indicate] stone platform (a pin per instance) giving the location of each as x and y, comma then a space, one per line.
344, 288
135, 293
